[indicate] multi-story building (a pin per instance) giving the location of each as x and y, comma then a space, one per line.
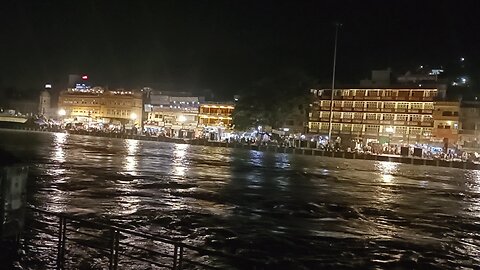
98, 105
216, 119
389, 114
469, 131
175, 114
446, 122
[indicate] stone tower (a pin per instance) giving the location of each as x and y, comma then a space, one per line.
44, 105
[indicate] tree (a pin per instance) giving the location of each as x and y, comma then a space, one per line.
271, 100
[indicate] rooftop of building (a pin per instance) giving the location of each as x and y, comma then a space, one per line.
379, 87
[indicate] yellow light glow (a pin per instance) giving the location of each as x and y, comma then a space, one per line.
133, 116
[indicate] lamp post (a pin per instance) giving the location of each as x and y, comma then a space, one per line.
337, 25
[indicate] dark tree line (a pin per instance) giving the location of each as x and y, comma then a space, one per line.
270, 101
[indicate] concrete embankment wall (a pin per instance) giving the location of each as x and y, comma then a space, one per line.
348, 155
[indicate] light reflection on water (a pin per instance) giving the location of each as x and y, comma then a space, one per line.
130, 164
294, 210
59, 145
179, 160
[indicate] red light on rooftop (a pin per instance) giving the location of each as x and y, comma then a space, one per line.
85, 77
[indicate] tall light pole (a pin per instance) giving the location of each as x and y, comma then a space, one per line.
337, 26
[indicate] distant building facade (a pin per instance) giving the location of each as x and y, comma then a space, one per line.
446, 122
174, 114
215, 119
399, 114
100, 105
44, 104
469, 130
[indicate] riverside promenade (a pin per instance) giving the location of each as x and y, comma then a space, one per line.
280, 149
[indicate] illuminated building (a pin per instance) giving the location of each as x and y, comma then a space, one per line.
44, 106
173, 113
216, 119
401, 115
446, 121
469, 131
105, 106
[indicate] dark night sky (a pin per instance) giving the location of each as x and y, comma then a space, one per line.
226, 45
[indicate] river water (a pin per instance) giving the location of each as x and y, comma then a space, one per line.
293, 211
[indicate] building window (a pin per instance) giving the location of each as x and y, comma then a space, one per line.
415, 130
429, 106
388, 116
389, 105
325, 103
372, 105
372, 128
402, 117
416, 117
346, 127
348, 104
359, 104
401, 130
360, 93
417, 106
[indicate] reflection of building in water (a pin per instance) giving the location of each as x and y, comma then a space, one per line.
100, 105
216, 119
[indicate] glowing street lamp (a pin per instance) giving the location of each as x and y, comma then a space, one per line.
62, 112
133, 116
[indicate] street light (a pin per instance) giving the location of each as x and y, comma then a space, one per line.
133, 116
337, 25
62, 112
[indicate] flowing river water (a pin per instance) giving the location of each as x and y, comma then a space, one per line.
292, 211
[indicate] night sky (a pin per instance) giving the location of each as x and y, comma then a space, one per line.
226, 45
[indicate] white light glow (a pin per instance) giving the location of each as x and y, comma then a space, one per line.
62, 112
182, 118
133, 116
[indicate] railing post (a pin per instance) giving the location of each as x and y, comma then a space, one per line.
61, 243
113, 260
175, 252
180, 258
